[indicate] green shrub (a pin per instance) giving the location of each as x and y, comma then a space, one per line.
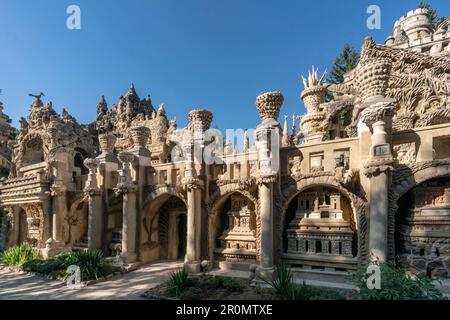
395, 284
178, 281
91, 263
285, 287
19, 255
283, 282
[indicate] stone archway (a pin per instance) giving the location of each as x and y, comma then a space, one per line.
404, 179
163, 225
358, 207
215, 208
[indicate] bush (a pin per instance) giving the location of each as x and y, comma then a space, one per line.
178, 281
91, 263
285, 287
283, 282
19, 255
395, 284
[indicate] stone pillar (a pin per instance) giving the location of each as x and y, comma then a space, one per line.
192, 259
59, 210
268, 141
95, 210
266, 213
13, 219
193, 146
377, 170
127, 188
140, 135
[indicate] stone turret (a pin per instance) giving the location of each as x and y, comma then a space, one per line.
313, 96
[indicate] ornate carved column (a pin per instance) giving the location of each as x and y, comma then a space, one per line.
59, 204
377, 168
12, 219
93, 192
127, 188
268, 146
193, 145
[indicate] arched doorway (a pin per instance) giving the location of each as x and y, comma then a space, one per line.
422, 235
233, 232
319, 230
164, 229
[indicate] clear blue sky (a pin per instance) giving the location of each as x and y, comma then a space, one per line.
211, 54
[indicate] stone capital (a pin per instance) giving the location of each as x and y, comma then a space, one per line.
266, 179
190, 183
379, 110
140, 136
269, 104
375, 166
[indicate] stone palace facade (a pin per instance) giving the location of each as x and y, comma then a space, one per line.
366, 173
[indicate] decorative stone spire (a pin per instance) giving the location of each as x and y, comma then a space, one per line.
294, 126
314, 92
161, 111
246, 141
228, 147
269, 104
102, 107
285, 138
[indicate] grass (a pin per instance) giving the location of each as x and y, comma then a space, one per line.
19, 255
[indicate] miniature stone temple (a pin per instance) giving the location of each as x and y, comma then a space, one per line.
363, 173
319, 229
238, 241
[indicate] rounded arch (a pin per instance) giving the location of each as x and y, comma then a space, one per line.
357, 204
403, 180
33, 149
216, 203
163, 193
163, 225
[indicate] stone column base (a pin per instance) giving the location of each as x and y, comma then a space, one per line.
49, 253
264, 273
192, 267
128, 258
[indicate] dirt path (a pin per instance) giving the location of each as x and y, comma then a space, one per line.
21, 286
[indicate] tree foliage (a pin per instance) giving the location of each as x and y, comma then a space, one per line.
432, 14
345, 62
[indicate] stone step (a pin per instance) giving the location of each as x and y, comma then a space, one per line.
328, 276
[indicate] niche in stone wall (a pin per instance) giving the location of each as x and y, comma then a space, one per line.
236, 239
422, 236
319, 222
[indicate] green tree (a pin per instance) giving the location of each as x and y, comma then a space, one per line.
345, 62
432, 14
